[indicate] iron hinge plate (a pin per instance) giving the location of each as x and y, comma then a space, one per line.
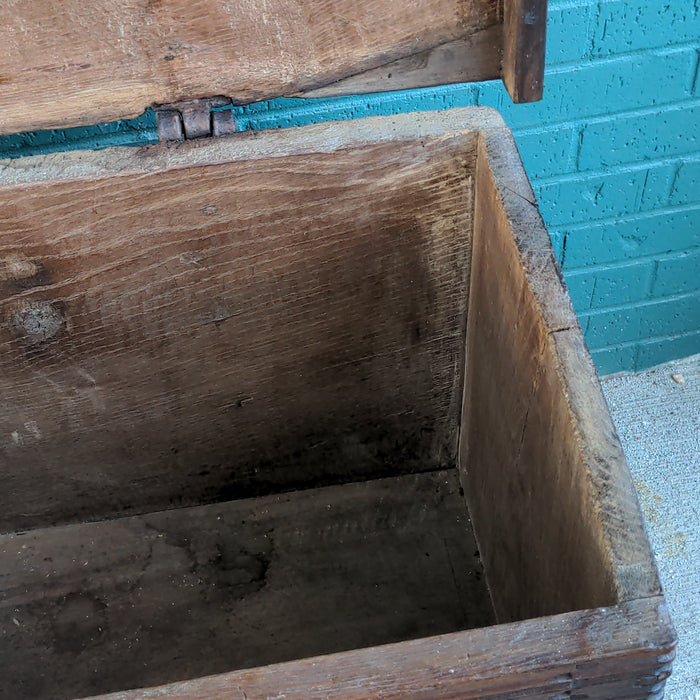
195, 119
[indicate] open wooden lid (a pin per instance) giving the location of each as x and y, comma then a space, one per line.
70, 62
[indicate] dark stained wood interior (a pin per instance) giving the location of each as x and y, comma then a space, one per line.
545, 466
532, 475
362, 328
185, 593
473, 58
203, 334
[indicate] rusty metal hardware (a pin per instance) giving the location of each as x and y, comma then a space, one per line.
194, 119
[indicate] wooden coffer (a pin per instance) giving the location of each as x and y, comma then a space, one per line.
303, 413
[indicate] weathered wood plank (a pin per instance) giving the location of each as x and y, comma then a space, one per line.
531, 476
476, 57
69, 63
557, 458
190, 592
194, 334
560, 656
524, 32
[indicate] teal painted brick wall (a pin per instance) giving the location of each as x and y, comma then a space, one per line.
612, 152
623, 204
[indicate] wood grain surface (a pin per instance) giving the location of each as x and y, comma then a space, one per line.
473, 58
70, 63
195, 591
524, 38
192, 323
532, 475
530, 380
618, 653
198, 334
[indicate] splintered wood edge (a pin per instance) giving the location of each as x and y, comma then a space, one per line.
610, 480
327, 137
618, 648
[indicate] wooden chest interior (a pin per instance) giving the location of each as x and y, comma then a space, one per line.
273, 396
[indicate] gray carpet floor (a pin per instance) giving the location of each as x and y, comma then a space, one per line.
657, 414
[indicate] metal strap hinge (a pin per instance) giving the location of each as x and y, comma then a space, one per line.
195, 119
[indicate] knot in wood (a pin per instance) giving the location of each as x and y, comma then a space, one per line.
37, 321
18, 267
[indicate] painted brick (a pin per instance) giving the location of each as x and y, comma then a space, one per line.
635, 237
598, 88
678, 274
583, 197
631, 25
686, 183
658, 350
667, 132
660, 317
580, 286
547, 152
615, 359
622, 285
569, 32
600, 287
657, 187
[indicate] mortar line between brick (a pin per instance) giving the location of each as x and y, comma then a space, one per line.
633, 262
674, 182
638, 305
592, 296
619, 169
639, 199
579, 147
652, 280
635, 359
587, 326
608, 116
645, 340
556, 5
591, 60
629, 218
593, 22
